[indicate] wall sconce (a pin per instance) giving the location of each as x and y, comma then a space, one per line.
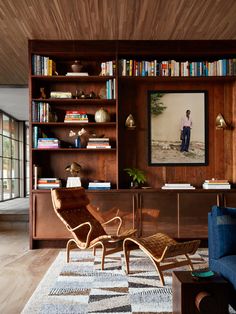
130, 122
220, 122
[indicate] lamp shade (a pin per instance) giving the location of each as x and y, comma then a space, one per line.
220, 122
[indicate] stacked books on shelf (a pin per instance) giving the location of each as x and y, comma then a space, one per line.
48, 142
178, 186
108, 68
99, 186
77, 74
98, 142
48, 183
216, 184
43, 65
222, 67
76, 116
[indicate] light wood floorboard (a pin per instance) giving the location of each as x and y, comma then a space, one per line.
21, 269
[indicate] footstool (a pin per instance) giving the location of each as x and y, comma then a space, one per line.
158, 247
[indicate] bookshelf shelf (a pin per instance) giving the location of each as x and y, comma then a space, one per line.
87, 150
64, 78
82, 124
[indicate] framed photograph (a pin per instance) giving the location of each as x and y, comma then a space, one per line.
177, 132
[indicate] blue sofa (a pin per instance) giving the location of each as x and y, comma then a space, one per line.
222, 245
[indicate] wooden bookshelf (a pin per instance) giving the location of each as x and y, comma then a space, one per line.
129, 149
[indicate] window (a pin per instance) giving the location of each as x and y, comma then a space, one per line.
11, 157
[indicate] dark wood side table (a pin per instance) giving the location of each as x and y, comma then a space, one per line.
206, 296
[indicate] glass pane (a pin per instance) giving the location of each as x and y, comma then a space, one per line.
0, 123
15, 168
27, 152
6, 168
21, 150
15, 188
27, 186
6, 189
15, 152
6, 147
14, 129
27, 169
0, 145
0, 167
27, 135
0, 189
6, 125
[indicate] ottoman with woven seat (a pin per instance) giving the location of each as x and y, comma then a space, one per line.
158, 247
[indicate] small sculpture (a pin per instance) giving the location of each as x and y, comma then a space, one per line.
102, 115
130, 122
42, 93
74, 169
81, 140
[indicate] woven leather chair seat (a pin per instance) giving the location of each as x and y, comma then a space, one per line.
159, 247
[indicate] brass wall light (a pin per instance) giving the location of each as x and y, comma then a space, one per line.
220, 122
130, 122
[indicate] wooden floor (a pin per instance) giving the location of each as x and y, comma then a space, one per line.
21, 269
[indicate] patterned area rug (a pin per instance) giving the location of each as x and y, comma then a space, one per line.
81, 287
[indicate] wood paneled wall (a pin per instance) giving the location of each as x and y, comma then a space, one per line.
221, 148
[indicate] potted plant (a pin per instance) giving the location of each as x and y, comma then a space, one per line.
137, 176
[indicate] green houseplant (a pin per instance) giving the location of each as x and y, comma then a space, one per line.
137, 177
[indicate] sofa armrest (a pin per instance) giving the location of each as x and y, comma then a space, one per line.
221, 232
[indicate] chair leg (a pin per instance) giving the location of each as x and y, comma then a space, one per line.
159, 271
127, 256
68, 246
103, 257
94, 250
190, 262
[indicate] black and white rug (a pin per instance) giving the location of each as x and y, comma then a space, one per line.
81, 287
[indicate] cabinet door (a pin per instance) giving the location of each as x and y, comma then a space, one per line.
46, 224
158, 213
229, 199
193, 213
110, 204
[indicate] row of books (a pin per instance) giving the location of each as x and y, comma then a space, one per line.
73, 116
43, 65
48, 183
216, 184
97, 142
99, 186
222, 67
41, 112
108, 68
111, 89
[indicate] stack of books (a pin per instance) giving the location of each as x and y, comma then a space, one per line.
216, 184
48, 183
178, 186
48, 142
76, 116
98, 142
99, 186
77, 74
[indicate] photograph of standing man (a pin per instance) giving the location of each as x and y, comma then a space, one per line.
186, 125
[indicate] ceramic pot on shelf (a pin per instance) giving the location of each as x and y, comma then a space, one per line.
102, 115
76, 66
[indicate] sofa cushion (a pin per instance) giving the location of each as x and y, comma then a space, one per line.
226, 266
222, 227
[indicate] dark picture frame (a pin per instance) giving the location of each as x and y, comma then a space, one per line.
175, 135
